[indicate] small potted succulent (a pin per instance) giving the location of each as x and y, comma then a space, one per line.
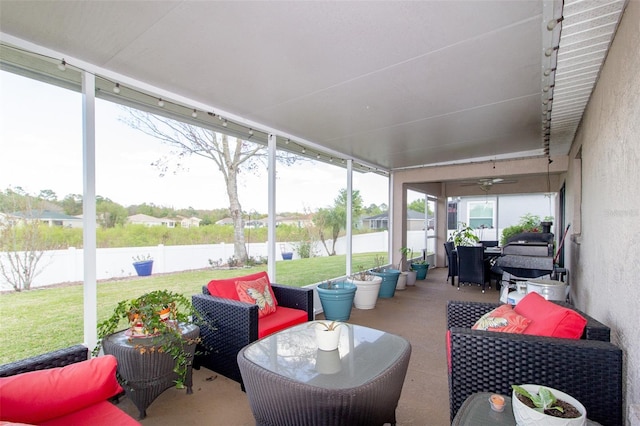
534, 405
327, 334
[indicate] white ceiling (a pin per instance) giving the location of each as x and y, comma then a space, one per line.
393, 84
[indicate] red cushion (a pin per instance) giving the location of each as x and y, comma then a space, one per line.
101, 414
226, 288
550, 319
45, 394
258, 292
282, 318
502, 319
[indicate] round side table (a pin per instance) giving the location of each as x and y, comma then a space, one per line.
146, 375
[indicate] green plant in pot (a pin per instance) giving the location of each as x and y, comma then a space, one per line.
368, 287
156, 315
336, 298
389, 278
464, 236
538, 405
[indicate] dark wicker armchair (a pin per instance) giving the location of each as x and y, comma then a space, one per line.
230, 325
589, 369
59, 358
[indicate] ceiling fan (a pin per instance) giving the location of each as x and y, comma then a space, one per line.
485, 184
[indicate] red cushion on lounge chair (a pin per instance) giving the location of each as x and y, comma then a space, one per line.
226, 288
550, 319
282, 318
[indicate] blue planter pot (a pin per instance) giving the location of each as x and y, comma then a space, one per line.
143, 268
337, 300
421, 270
389, 281
287, 255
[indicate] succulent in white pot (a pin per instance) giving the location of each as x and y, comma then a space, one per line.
535, 405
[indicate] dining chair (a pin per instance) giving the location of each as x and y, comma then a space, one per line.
452, 260
471, 265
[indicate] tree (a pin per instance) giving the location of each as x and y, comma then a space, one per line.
109, 213
72, 204
230, 155
22, 241
335, 218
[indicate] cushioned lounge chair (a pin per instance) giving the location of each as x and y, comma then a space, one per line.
589, 369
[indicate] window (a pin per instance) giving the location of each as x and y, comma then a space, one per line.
481, 214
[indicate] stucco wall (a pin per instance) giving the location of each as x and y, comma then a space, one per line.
604, 255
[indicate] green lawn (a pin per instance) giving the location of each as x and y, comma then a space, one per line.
42, 320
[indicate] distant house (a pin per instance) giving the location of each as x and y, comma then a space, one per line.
146, 220
415, 221
301, 221
189, 222
52, 218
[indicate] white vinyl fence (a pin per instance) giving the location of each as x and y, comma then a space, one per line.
66, 266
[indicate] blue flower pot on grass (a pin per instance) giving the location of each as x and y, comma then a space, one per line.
337, 299
389, 281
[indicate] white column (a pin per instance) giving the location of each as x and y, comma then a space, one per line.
89, 208
349, 226
271, 230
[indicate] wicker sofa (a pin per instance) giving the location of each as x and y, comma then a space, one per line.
61, 388
589, 369
229, 325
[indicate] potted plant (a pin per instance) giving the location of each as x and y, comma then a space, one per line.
389, 278
536, 405
402, 278
368, 288
407, 256
421, 267
464, 236
327, 334
143, 265
155, 315
336, 298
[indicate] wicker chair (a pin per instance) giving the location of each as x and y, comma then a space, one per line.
589, 369
471, 266
230, 325
59, 358
452, 261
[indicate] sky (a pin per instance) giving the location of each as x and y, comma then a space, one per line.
41, 148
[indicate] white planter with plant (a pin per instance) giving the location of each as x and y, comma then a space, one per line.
368, 287
551, 407
402, 281
412, 276
327, 334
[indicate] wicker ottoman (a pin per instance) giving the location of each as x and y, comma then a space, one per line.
290, 382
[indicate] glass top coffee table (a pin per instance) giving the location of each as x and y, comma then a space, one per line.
290, 381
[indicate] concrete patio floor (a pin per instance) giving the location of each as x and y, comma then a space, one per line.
417, 314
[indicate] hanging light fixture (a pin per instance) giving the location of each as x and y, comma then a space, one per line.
116, 89
160, 102
62, 65
194, 114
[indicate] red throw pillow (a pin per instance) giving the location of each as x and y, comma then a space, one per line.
258, 292
38, 396
226, 288
502, 319
550, 319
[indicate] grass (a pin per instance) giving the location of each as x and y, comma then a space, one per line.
46, 319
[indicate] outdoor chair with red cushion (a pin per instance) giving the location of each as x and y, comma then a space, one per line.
61, 388
240, 310
585, 366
